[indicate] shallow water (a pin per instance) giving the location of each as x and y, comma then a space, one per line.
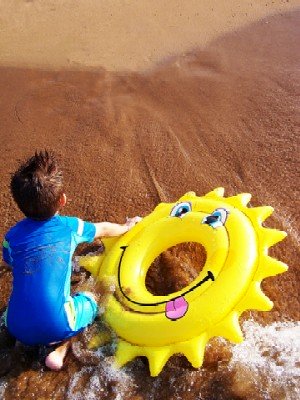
267, 365
264, 367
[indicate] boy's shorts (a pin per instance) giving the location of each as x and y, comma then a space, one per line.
80, 311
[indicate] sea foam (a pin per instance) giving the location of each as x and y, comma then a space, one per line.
267, 363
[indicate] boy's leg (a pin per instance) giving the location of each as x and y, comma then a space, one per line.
55, 359
86, 310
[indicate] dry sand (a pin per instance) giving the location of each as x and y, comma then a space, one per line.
222, 115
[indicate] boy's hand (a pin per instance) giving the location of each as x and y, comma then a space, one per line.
109, 229
130, 222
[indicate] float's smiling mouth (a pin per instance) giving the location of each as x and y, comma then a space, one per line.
175, 308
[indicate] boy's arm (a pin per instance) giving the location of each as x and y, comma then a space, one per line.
108, 229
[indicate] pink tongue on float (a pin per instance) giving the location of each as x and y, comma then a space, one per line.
177, 308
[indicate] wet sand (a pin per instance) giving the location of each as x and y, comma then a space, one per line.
224, 115
118, 34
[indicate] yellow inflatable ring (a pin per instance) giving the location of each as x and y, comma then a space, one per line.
236, 244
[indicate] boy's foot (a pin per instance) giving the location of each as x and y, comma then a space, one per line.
55, 359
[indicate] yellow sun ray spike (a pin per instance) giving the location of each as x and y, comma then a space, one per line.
216, 193
100, 339
109, 242
272, 236
239, 200
194, 350
260, 214
125, 353
188, 195
270, 267
229, 328
237, 259
157, 358
255, 299
91, 263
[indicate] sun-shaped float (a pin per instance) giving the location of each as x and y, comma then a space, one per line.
237, 260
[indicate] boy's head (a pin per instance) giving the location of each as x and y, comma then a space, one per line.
37, 186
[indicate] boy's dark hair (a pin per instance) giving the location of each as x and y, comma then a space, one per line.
37, 186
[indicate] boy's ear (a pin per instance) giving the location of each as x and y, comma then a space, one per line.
63, 200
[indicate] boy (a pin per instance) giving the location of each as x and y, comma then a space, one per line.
39, 249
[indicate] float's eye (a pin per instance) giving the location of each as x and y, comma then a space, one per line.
217, 218
181, 209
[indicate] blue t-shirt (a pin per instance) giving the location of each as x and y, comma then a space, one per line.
40, 254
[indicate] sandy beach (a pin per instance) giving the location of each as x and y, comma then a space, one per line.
147, 110
118, 34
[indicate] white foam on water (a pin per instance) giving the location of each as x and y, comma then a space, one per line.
95, 382
3, 381
3, 384
266, 366
268, 361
